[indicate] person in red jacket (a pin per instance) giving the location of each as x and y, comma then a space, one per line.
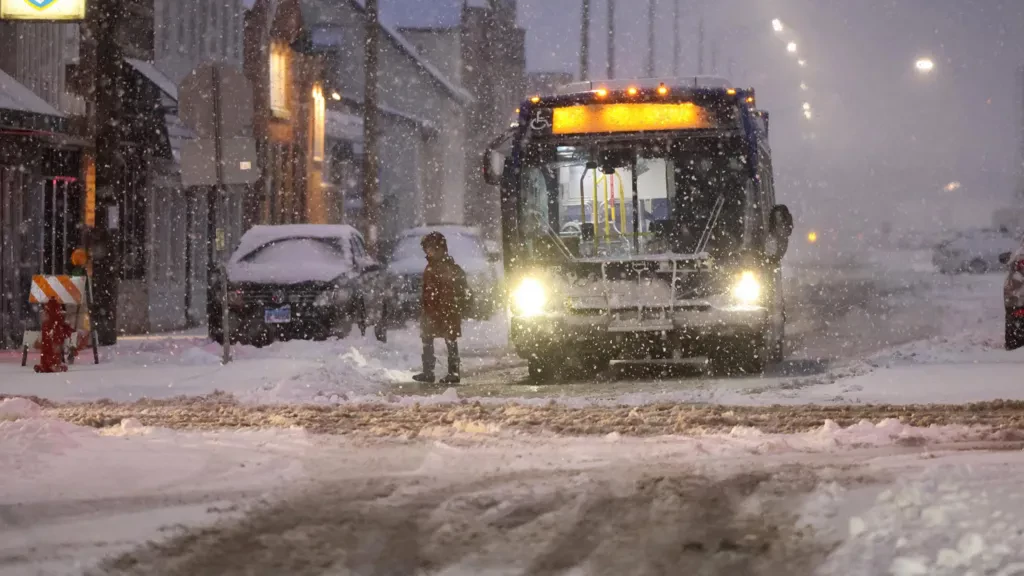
445, 297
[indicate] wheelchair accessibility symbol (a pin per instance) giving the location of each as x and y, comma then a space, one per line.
40, 3
540, 121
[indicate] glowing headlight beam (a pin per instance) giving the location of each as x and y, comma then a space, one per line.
747, 290
529, 298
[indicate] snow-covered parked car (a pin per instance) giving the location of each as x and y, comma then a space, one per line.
1013, 297
301, 281
975, 252
467, 248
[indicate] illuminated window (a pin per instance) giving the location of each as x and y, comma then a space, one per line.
319, 118
279, 79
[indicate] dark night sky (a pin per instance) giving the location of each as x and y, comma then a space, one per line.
886, 140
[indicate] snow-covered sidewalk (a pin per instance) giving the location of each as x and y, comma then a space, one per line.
354, 369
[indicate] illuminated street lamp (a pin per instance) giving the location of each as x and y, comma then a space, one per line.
777, 25
807, 106
808, 114
803, 86
791, 47
802, 62
924, 65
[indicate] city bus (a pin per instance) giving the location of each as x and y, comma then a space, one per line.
639, 221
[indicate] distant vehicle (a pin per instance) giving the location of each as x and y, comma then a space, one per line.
1013, 297
301, 281
469, 251
974, 252
642, 220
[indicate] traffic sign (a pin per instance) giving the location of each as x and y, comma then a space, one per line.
199, 110
199, 162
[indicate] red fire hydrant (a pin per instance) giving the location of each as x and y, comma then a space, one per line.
55, 332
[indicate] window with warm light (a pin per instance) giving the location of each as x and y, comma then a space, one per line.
279, 79
319, 119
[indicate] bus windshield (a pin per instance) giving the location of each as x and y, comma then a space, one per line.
577, 197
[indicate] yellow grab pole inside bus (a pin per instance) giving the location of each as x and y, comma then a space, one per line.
607, 223
622, 203
595, 208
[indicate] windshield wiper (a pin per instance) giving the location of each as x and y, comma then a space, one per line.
566, 253
706, 236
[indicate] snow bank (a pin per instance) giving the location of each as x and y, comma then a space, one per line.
17, 408
961, 517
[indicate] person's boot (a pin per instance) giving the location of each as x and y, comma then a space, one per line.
425, 377
453, 369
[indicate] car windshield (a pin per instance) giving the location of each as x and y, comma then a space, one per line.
577, 200
326, 251
463, 248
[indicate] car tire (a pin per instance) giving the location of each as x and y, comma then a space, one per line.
747, 356
342, 329
593, 364
541, 369
778, 352
1014, 332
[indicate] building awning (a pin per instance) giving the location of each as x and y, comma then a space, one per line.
22, 109
343, 126
158, 78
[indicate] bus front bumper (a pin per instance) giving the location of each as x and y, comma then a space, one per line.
694, 328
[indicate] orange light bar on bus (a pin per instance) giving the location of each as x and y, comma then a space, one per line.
535, 99
662, 90
632, 90
601, 92
605, 118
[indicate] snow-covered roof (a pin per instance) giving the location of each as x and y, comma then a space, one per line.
429, 14
445, 229
261, 235
312, 8
15, 96
422, 123
155, 76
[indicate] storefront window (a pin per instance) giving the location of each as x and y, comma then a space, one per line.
279, 79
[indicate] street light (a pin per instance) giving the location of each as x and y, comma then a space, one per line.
803, 86
791, 47
808, 114
924, 65
777, 25
807, 105
802, 62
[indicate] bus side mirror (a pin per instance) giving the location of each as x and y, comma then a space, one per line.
779, 230
781, 224
494, 167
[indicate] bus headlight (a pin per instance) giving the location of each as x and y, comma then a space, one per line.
747, 290
529, 298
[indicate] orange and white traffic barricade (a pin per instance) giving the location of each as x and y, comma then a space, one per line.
74, 293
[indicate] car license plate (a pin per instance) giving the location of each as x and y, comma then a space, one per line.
282, 315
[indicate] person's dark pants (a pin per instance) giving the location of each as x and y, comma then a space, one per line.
429, 359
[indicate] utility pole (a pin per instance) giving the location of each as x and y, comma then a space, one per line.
700, 43
585, 40
675, 39
371, 182
610, 62
104, 24
650, 38
1020, 136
